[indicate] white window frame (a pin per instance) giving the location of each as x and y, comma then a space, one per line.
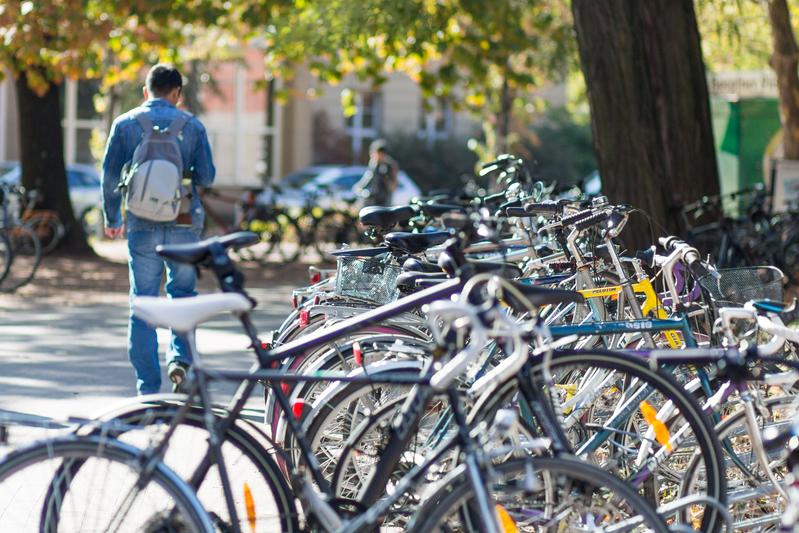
71, 123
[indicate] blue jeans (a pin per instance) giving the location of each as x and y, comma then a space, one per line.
146, 273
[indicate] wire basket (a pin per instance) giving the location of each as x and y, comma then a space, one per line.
367, 279
733, 287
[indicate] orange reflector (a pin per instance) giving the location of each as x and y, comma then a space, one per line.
249, 504
661, 431
506, 523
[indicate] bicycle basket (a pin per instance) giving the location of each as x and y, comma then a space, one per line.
367, 279
733, 287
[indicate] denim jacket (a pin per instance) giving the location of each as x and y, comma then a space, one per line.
125, 136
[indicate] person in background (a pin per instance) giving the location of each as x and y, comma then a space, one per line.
380, 180
162, 92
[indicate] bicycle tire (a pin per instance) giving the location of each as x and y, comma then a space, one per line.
6, 256
689, 409
171, 493
27, 253
255, 461
455, 493
727, 428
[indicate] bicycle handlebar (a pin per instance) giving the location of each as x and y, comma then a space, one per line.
593, 220
576, 217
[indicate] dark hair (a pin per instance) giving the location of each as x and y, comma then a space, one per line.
378, 145
162, 79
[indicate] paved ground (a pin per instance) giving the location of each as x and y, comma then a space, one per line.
63, 340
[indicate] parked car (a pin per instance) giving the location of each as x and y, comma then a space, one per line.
83, 181
330, 186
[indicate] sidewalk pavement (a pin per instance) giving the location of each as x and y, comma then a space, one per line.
71, 360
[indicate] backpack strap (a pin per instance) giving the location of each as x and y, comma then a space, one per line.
177, 125
145, 122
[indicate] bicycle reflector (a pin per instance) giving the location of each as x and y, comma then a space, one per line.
316, 277
249, 505
661, 431
305, 317
357, 353
506, 523
298, 408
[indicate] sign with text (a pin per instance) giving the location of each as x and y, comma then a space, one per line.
743, 84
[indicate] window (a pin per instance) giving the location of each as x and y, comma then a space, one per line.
364, 126
80, 118
435, 122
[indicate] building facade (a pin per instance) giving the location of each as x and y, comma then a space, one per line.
257, 137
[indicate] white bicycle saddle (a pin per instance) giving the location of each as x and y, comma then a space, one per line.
184, 314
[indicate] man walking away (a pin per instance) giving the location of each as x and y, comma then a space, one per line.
156, 157
380, 179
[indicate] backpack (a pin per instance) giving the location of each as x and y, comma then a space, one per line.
151, 181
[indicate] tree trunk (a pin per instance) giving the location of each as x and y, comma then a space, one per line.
650, 111
503, 118
785, 61
42, 159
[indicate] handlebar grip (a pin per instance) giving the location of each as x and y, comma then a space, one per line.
542, 208
697, 269
670, 243
592, 220
576, 217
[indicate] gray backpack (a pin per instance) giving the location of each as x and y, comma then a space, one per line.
151, 181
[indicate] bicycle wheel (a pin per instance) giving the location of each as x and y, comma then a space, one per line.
597, 387
108, 494
753, 501
247, 460
338, 414
49, 230
6, 256
27, 252
540, 494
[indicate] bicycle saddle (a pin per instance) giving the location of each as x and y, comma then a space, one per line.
196, 253
385, 217
185, 314
415, 243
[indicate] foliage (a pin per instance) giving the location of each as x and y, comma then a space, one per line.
736, 34
108, 39
487, 56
